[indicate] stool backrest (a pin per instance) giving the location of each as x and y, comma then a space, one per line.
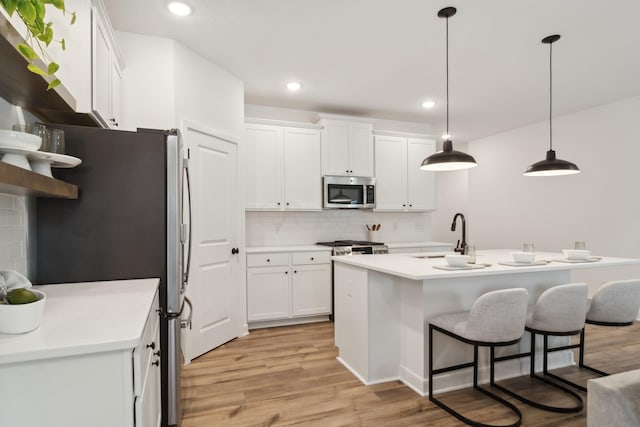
498, 316
616, 302
560, 309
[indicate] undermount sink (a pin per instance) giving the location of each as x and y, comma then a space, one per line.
428, 256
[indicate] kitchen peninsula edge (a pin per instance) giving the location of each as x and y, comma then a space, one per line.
383, 304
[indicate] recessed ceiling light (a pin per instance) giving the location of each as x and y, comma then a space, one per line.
294, 86
179, 8
428, 104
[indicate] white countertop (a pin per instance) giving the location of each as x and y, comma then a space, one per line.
393, 245
308, 248
300, 248
410, 267
81, 318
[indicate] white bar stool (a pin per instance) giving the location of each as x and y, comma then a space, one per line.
496, 319
614, 304
559, 311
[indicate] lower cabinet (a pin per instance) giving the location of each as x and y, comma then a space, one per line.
99, 389
288, 286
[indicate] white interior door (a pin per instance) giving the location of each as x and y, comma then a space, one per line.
214, 280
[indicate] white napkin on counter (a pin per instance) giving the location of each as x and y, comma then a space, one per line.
13, 280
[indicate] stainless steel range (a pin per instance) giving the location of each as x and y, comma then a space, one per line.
352, 247
356, 247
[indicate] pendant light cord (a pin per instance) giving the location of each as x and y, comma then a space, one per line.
550, 95
447, 61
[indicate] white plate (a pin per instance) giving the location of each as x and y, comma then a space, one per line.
57, 160
22, 140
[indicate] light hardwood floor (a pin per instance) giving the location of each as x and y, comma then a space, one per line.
290, 376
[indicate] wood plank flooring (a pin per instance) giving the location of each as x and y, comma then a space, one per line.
289, 376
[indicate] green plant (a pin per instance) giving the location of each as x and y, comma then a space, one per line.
32, 13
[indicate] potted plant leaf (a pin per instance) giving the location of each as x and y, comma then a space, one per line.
39, 32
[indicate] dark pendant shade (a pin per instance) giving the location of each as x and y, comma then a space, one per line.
552, 167
448, 159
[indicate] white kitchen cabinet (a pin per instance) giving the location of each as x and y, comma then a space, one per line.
283, 168
93, 361
347, 147
290, 287
106, 71
400, 184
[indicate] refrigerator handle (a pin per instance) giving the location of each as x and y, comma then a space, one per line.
187, 322
185, 277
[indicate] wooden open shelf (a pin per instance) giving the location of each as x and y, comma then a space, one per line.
15, 180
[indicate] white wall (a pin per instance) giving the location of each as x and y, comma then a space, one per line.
304, 228
148, 82
305, 116
17, 213
207, 94
600, 205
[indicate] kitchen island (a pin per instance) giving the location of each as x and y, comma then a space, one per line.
383, 304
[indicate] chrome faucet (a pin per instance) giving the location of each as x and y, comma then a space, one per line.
461, 247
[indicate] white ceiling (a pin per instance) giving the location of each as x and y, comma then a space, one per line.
382, 58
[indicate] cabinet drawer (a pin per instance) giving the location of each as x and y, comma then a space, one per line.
319, 257
265, 260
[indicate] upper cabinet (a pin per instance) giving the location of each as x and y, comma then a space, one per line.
283, 168
90, 67
400, 184
347, 147
106, 71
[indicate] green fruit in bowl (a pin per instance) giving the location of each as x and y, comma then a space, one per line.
21, 296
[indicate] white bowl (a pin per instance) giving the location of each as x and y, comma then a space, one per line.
524, 257
19, 160
21, 318
576, 253
457, 260
22, 140
43, 167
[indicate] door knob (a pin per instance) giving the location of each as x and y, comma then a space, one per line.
235, 251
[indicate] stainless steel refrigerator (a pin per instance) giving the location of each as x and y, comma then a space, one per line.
127, 223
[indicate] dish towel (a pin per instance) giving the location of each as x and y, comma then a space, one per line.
10, 280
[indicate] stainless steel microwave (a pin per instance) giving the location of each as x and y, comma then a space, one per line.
348, 192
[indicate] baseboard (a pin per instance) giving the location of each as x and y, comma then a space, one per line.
288, 322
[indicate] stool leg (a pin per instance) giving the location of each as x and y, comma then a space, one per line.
546, 373
450, 410
532, 355
581, 362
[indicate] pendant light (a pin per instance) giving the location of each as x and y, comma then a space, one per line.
551, 166
448, 159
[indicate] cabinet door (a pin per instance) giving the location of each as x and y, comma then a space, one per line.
116, 84
360, 149
335, 147
391, 178
302, 176
101, 90
264, 167
268, 293
148, 406
311, 290
420, 184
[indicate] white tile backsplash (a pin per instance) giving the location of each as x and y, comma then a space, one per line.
14, 233
303, 228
